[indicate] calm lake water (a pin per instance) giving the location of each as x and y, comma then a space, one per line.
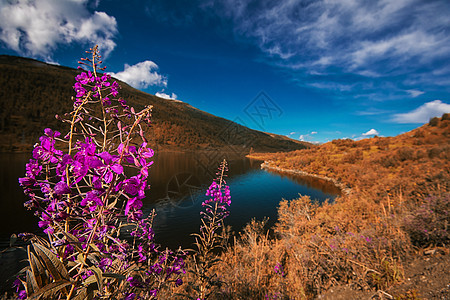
178, 185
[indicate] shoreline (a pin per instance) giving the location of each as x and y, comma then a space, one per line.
344, 189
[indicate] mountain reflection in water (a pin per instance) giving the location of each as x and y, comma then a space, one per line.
178, 182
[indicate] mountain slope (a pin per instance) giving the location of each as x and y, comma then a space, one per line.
33, 92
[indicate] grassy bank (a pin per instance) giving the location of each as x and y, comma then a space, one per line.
398, 206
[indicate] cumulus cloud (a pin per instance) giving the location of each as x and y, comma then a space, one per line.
141, 75
307, 137
423, 113
173, 96
37, 27
371, 132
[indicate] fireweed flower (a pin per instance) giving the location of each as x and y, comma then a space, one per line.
79, 188
212, 234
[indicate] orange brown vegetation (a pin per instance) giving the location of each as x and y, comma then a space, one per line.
33, 92
364, 239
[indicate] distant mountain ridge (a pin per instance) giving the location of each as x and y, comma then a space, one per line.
33, 92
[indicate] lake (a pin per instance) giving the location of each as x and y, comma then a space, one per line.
178, 184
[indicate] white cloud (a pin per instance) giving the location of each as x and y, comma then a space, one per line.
372, 39
141, 75
371, 132
423, 113
173, 96
415, 93
37, 27
308, 137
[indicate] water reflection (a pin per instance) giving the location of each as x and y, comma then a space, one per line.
183, 180
14, 218
178, 184
311, 182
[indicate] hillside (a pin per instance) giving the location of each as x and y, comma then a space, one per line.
380, 166
386, 238
33, 92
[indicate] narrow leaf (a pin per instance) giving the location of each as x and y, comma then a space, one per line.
99, 276
35, 269
53, 264
114, 275
31, 283
81, 295
50, 289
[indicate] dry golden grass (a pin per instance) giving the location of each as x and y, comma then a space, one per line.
360, 240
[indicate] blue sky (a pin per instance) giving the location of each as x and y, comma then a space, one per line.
311, 70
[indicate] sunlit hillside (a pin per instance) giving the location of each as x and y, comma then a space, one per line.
33, 92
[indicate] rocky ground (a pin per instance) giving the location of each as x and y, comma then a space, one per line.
427, 276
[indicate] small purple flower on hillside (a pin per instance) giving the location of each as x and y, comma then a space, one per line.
279, 269
130, 296
178, 282
104, 263
134, 282
22, 294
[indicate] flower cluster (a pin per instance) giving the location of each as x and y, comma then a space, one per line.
212, 233
220, 195
86, 202
219, 198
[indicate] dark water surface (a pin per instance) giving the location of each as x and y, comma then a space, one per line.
178, 185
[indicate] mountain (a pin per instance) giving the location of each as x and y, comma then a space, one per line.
33, 92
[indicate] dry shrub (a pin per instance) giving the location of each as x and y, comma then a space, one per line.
353, 241
255, 267
363, 238
434, 121
428, 223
